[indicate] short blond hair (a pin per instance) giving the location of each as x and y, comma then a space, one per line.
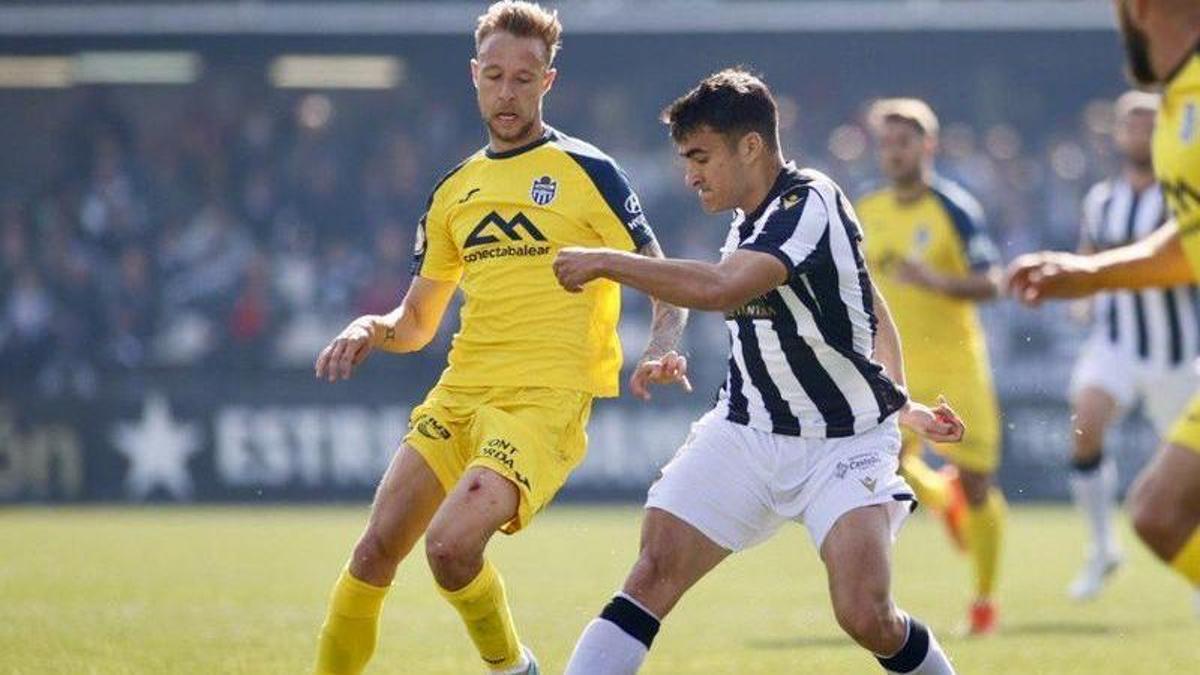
522, 19
912, 111
1135, 101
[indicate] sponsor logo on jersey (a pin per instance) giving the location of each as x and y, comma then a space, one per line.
543, 191
633, 206
431, 428
495, 229
858, 464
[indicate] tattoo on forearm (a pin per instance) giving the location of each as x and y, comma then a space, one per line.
667, 326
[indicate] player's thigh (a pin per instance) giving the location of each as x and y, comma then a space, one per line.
673, 556
1093, 410
1165, 499
405, 501
857, 557
479, 504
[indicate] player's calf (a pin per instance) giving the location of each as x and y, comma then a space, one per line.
871, 620
1163, 503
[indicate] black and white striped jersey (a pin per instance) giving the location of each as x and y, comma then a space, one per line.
1159, 326
800, 359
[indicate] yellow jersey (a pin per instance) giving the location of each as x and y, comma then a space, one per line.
494, 225
943, 229
1177, 154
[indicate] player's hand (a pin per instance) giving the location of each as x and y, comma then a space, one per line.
1036, 277
916, 273
576, 265
940, 424
347, 350
670, 369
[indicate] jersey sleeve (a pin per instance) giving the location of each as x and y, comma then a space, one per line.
794, 231
617, 215
434, 254
967, 217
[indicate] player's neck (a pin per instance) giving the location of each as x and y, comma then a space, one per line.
764, 175
910, 191
1139, 177
499, 145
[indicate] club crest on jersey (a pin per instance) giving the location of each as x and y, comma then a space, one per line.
632, 205
543, 191
1187, 130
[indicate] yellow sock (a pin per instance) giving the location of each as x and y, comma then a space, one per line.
984, 528
351, 627
1187, 561
931, 487
484, 609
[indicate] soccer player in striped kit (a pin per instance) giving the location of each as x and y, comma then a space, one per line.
1142, 343
807, 426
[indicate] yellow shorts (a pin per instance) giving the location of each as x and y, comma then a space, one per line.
1186, 431
532, 436
974, 399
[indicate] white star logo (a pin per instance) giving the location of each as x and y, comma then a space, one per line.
158, 449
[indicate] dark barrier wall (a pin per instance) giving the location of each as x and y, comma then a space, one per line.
250, 436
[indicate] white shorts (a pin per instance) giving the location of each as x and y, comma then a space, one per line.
1163, 392
738, 485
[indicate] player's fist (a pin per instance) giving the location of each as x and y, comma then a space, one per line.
1036, 277
670, 369
940, 424
347, 350
575, 266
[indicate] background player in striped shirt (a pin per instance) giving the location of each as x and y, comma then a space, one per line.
1162, 40
806, 427
505, 425
929, 253
1142, 344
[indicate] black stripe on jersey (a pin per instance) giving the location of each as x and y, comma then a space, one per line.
783, 422
1139, 308
613, 186
808, 371
1170, 297
739, 406
419, 255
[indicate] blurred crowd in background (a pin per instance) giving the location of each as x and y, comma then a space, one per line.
228, 225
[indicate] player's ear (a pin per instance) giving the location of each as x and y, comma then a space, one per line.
548, 80
750, 147
475, 72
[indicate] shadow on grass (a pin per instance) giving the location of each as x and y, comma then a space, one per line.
801, 641
1015, 630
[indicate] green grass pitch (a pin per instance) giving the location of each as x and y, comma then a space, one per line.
242, 590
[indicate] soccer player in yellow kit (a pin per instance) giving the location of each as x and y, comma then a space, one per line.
1162, 40
505, 425
928, 251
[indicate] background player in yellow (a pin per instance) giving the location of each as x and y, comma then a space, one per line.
505, 425
929, 254
1162, 40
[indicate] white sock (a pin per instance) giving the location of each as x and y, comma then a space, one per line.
920, 655
1095, 493
617, 642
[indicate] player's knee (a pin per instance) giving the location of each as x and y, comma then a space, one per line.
870, 621
447, 550
374, 560
1152, 520
656, 573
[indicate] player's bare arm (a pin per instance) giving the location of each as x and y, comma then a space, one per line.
1157, 260
660, 362
976, 286
408, 328
939, 424
694, 284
